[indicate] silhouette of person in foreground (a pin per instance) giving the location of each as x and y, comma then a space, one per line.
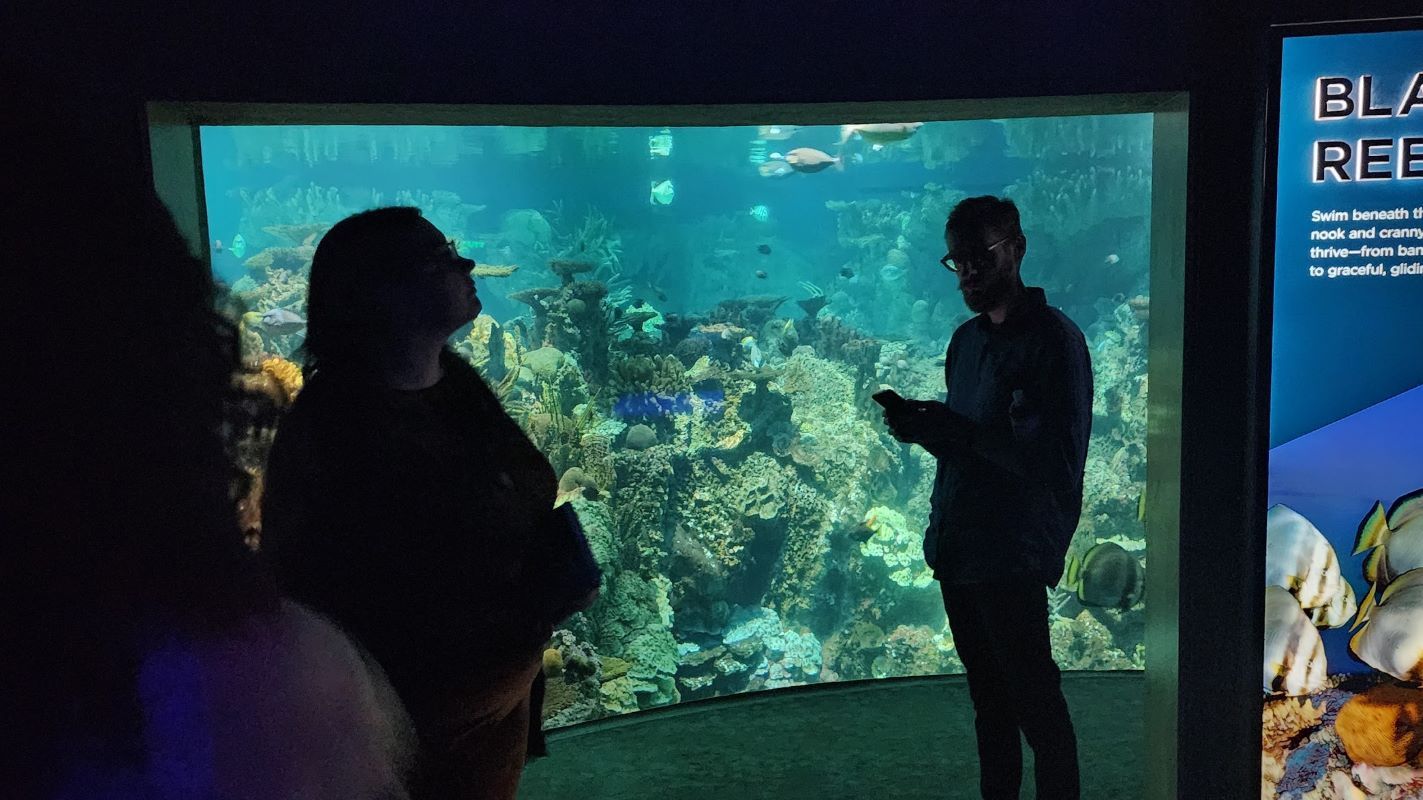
403, 501
152, 656
1011, 442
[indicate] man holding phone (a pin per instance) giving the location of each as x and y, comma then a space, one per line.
1011, 441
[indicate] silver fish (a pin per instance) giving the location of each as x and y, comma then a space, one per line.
776, 133
1339, 611
1391, 639
808, 159
1299, 559
775, 169
282, 321
1294, 661
880, 132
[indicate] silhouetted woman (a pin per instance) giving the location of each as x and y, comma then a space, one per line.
405, 503
152, 656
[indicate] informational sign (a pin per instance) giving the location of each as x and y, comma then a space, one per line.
1346, 426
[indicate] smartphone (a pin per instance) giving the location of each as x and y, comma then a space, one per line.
889, 399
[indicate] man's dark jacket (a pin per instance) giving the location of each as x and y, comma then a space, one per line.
1008, 493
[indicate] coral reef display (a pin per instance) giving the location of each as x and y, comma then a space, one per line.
700, 380
1360, 738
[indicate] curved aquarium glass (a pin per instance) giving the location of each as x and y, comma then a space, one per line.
690, 321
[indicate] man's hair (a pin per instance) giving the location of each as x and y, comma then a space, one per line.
981, 213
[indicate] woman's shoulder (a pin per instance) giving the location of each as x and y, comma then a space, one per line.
258, 700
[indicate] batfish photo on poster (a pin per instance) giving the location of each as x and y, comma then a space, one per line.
1343, 658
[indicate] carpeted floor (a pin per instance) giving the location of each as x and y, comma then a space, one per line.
906, 738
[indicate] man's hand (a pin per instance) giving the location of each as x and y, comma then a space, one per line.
919, 422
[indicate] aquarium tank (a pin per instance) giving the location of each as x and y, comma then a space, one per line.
690, 322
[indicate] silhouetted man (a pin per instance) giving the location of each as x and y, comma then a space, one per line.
1011, 442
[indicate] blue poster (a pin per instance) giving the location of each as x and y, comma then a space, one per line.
1346, 417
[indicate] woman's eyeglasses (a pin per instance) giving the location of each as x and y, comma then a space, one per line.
447, 256
954, 263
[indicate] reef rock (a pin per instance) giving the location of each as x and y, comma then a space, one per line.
640, 437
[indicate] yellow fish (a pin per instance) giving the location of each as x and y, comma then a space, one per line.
1395, 538
1396, 541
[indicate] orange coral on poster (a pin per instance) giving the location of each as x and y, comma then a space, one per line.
1383, 726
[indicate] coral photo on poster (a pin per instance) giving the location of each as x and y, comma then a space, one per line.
1343, 651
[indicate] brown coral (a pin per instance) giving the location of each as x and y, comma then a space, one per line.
662, 376
1383, 726
575, 484
566, 268
533, 297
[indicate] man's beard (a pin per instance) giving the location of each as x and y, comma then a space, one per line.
988, 295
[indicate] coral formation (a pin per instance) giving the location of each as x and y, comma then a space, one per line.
1286, 720
756, 525
901, 549
286, 374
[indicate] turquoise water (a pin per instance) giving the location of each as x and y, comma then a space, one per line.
703, 383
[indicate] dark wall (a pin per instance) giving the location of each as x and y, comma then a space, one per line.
647, 53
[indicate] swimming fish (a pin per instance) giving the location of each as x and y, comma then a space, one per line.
846, 272
217, 245
1141, 506
1107, 577
752, 351
1294, 662
763, 249
281, 321
659, 145
1391, 639
808, 159
1299, 559
1338, 612
775, 169
239, 246
1395, 539
761, 273
880, 132
662, 193
760, 213
776, 133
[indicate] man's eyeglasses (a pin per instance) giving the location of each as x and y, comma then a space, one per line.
954, 263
